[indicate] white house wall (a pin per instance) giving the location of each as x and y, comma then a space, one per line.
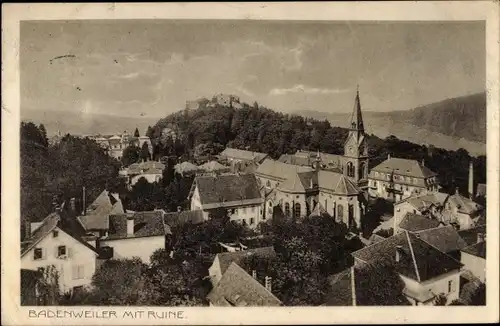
142, 247
78, 255
476, 265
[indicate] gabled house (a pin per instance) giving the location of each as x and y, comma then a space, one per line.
238, 194
237, 288
474, 257
414, 223
152, 171
397, 178
461, 211
60, 241
426, 271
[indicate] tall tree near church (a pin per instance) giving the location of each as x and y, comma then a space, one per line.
150, 132
136, 133
145, 155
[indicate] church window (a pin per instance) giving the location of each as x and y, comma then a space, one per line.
362, 170
297, 210
287, 209
340, 212
350, 169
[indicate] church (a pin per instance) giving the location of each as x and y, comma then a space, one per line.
308, 183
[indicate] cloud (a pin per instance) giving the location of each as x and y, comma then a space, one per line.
299, 88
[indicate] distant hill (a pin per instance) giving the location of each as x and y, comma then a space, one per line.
77, 123
451, 124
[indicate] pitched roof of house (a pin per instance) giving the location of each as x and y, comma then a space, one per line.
464, 204
470, 235
228, 190
340, 293
414, 222
148, 167
213, 166
183, 217
481, 189
418, 260
445, 238
240, 154
63, 220
424, 201
402, 166
300, 182
280, 170
97, 214
237, 288
374, 238
146, 224
226, 258
95, 222
477, 249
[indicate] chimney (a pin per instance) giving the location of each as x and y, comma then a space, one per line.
254, 274
480, 237
399, 249
471, 180
268, 283
130, 225
72, 203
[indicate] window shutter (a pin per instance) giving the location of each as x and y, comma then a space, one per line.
68, 252
56, 254
74, 272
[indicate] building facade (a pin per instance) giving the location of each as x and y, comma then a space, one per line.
116, 144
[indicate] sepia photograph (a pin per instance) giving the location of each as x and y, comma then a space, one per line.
246, 163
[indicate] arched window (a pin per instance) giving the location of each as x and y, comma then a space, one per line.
287, 209
340, 212
297, 210
362, 170
350, 169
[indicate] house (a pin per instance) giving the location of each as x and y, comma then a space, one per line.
239, 194
461, 211
307, 158
152, 171
444, 238
137, 234
425, 271
177, 219
429, 204
233, 155
60, 241
397, 178
299, 189
474, 258
222, 261
237, 288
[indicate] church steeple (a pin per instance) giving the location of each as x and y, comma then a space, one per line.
357, 117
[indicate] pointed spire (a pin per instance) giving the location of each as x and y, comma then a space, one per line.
357, 117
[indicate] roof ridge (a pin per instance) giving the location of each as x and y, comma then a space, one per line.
413, 256
444, 253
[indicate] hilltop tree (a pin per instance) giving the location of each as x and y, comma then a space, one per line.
136, 133
150, 132
130, 155
145, 154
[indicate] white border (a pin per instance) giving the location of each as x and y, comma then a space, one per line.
13, 314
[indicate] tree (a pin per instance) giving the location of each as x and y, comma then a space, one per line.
145, 155
136, 133
150, 132
118, 282
440, 300
130, 155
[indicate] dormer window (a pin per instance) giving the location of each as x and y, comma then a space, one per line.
55, 234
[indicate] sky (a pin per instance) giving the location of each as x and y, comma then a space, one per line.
151, 67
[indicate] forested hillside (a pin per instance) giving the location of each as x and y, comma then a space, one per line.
205, 132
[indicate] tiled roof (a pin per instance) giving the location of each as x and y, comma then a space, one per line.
240, 154
418, 260
445, 238
299, 182
237, 288
214, 166
481, 189
183, 217
464, 204
295, 160
94, 222
104, 204
401, 166
146, 224
477, 249
148, 167
374, 238
307, 158
336, 183
226, 258
280, 170
422, 202
228, 190
470, 235
340, 293
414, 222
